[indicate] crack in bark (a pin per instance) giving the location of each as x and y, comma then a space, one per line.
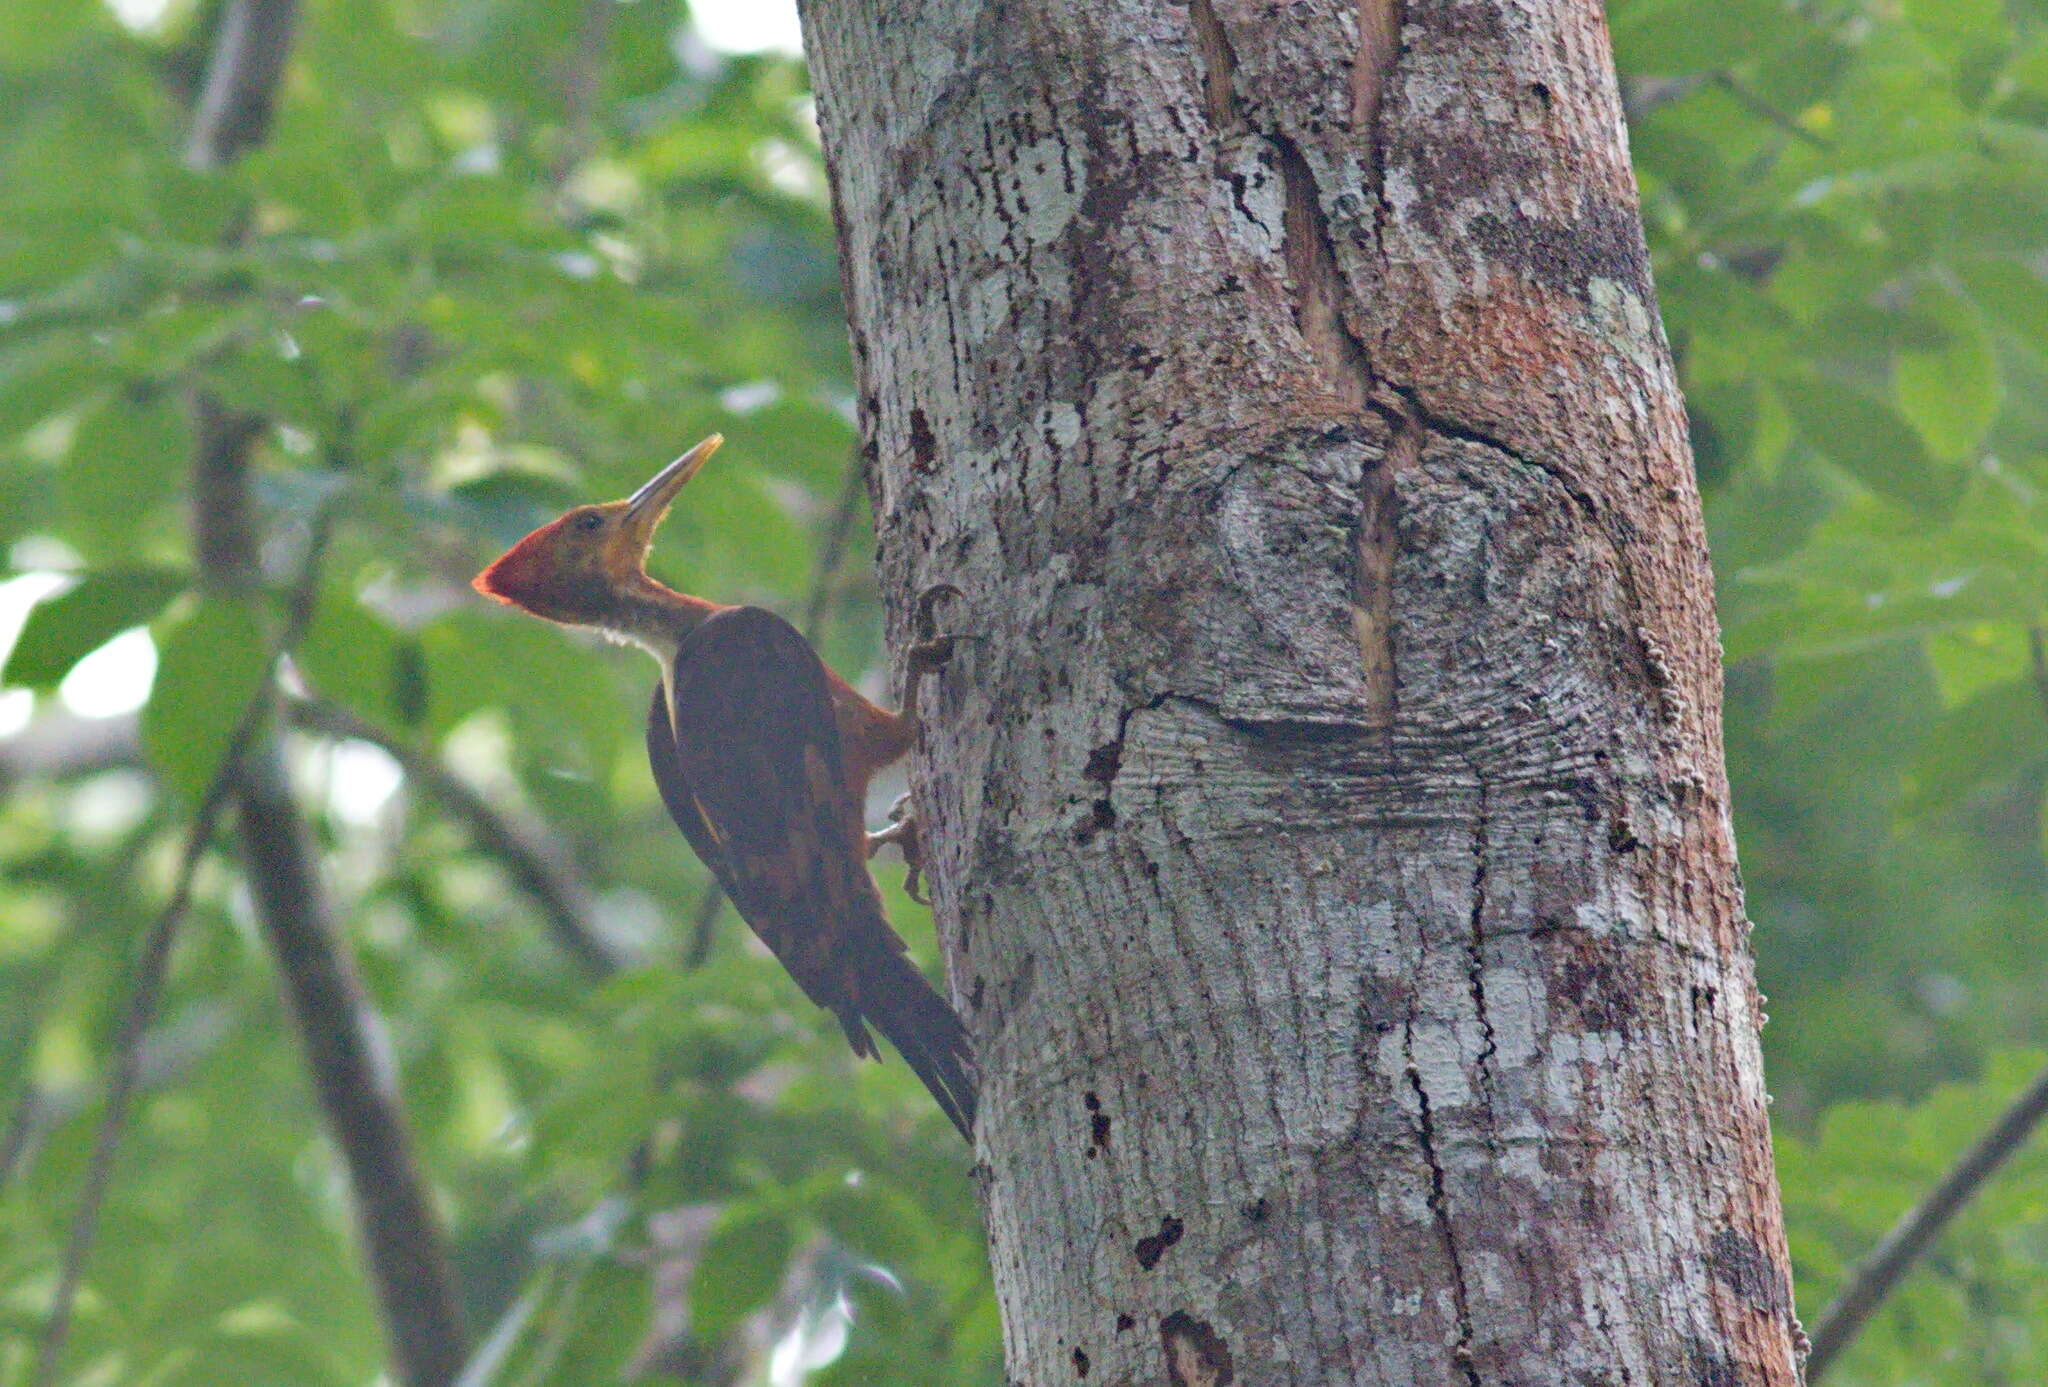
1677, 948
1656, 669
1580, 497
1606, 1330
1439, 1207
1381, 24
1106, 762
1476, 970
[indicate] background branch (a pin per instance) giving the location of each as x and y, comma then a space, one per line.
24, 1125
1874, 1278
1876, 1275
241, 81
1771, 115
145, 993
532, 861
347, 1058
62, 746
402, 1240
403, 1244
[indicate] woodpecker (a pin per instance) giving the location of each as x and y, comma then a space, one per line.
763, 756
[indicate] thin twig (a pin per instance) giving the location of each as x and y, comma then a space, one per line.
531, 861
1876, 1275
234, 111
143, 995
151, 970
24, 1124
818, 609
832, 551
1768, 111
709, 905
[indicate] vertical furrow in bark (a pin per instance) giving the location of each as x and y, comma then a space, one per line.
1329, 834
1379, 45
1372, 601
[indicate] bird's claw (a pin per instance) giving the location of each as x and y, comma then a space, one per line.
902, 831
927, 607
932, 650
928, 654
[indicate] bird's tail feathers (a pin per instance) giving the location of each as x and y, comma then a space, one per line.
897, 1000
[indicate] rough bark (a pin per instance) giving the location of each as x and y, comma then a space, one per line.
1329, 829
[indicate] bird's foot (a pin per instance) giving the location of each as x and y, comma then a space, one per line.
932, 649
902, 831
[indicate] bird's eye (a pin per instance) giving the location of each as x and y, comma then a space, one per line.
590, 522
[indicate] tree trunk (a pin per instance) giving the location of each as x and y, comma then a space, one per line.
1329, 827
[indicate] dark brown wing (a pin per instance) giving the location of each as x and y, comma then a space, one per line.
751, 768
675, 790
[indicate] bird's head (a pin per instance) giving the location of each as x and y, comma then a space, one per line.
576, 569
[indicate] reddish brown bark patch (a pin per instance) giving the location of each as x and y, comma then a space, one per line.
1196, 1355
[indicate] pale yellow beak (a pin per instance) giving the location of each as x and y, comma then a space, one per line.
646, 507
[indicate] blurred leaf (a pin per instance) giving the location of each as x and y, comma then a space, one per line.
1866, 439
270, 378
1950, 393
870, 1219
41, 31
352, 657
209, 666
123, 469
197, 208
739, 1269
2013, 296
1670, 37
42, 378
64, 629
1986, 740
1973, 658
1956, 27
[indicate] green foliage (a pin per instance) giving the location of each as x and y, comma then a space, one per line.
498, 256
1846, 214
1975, 1315
213, 663
492, 260
62, 630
